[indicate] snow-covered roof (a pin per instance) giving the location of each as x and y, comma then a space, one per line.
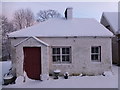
60, 27
113, 18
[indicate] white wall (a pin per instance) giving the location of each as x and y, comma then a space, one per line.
115, 56
81, 56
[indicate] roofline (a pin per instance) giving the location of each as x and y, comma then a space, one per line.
33, 38
40, 41
21, 42
64, 36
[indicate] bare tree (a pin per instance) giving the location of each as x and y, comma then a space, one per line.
6, 28
43, 15
23, 18
29, 17
6, 25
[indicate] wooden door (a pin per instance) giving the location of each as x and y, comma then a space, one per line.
32, 62
119, 52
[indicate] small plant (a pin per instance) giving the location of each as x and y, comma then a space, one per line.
9, 78
56, 74
66, 75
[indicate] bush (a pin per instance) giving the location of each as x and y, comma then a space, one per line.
75, 74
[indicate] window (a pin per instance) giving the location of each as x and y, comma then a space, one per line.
61, 54
96, 53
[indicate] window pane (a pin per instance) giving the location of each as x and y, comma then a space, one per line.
96, 57
65, 58
56, 50
92, 57
56, 58
96, 50
53, 51
65, 50
92, 50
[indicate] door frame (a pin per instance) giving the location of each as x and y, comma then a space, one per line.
38, 46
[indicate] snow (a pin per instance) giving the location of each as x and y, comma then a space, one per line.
60, 27
112, 18
44, 77
6, 65
19, 80
57, 71
108, 73
8, 77
101, 81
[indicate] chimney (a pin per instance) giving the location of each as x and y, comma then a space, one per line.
68, 13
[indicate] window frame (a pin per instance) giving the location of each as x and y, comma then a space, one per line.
98, 53
61, 54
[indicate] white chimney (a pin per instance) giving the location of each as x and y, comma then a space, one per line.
68, 13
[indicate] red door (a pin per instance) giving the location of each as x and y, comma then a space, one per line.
119, 52
32, 62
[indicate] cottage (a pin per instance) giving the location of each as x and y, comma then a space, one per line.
73, 45
110, 20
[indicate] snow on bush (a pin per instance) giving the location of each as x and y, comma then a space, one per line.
108, 73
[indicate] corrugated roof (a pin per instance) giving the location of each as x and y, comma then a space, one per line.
60, 27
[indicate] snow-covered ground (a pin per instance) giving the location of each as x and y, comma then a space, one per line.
108, 81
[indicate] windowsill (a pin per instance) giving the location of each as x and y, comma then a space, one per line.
62, 63
95, 62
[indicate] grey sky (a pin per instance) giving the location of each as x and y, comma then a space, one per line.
80, 9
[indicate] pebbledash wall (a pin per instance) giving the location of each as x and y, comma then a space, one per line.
81, 54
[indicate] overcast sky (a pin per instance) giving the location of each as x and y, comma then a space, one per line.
80, 9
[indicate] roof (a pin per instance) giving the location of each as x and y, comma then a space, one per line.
60, 27
112, 18
40, 41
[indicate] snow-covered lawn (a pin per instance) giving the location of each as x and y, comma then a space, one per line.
109, 81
